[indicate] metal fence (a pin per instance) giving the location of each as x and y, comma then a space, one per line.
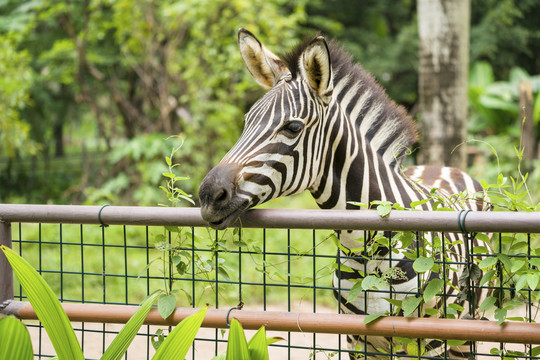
103, 261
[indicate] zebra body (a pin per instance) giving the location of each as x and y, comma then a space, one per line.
326, 126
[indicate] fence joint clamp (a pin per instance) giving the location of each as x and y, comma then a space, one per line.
99, 216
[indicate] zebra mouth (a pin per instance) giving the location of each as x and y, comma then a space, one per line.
230, 219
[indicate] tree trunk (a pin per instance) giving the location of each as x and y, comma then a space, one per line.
58, 131
444, 60
528, 138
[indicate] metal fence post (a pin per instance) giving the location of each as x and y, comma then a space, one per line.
6, 273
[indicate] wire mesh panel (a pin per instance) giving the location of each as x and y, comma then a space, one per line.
289, 270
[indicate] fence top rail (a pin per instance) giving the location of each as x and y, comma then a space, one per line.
447, 221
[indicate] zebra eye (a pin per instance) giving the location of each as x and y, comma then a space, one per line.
292, 128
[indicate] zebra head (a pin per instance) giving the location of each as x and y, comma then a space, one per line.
269, 159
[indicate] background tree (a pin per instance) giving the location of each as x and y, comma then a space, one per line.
444, 61
90, 90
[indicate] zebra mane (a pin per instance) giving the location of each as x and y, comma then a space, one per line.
386, 125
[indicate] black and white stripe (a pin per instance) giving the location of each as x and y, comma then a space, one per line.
326, 126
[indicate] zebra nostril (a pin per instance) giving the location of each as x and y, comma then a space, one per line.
221, 196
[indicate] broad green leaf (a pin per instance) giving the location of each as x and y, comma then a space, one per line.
384, 209
516, 265
487, 303
535, 262
484, 238
455, 342
431, 311
355, 291
487, 262
432, 289
394, 302
518, 75
257, 346
480, 250
15, 342
273, 340
487, 276
423, 264
372, 317
500, 315
121, 342
536, 109
521, 282
412, 348
179, 341
237, 347
419, 202
372, 281
410, 305
47, 307
481, 75
166, 305
532, 280
505, 260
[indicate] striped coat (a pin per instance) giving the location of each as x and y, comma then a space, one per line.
326, 126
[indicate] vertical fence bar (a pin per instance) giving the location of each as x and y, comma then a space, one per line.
6, 273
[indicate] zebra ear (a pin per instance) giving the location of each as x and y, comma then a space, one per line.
265, 67
316, 68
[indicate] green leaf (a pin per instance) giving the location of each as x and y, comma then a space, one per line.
166, 305
47, 307
487, 262
384, 209
521, 281
432, 289
516, 265
487, 303
372, 317
455, 342
395, 302
372, 281
419, 202
15, 342
500, 315
237, 347
431, 311
257, 346
179, 341
121, 342
484, 238
480, 250
410, 305
423, 264
535, 351
532, 280
505, 260
535, 262
355, 291
487, 277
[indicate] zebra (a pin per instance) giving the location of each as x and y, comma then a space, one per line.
325, 125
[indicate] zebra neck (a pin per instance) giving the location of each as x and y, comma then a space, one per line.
354, 170
368, 178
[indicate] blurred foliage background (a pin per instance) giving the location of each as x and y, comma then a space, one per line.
90, 90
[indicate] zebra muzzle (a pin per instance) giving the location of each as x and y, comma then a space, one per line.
220, 204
